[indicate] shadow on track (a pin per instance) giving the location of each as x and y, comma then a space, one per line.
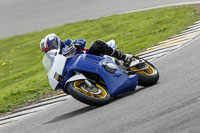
90, 108
128, 94
138, 89
72, 114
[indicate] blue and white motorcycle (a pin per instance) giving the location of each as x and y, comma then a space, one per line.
94, 80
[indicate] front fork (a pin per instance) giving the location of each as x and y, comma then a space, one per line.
92, 87
87, 82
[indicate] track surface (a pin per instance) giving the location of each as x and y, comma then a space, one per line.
22, 16
170, 106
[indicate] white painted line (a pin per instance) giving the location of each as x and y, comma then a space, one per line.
155, 56
194, 27
181, 34
177, 39
46, 102
196, 24
178, 48
154, 53
172, 45
151, 60
19, 114
157, 50
24, 112
165, 45
13, 119
190, 30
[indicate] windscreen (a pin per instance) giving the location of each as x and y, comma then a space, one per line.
48, 60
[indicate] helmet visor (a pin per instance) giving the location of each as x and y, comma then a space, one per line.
54, 45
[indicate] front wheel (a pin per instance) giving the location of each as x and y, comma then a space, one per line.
95, 96
149, 76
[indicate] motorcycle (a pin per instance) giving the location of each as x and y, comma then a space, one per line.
94, 80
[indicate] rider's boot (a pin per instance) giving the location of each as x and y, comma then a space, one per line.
127, 58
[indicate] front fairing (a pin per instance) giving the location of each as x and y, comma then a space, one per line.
48, 60
54, 64
117, 82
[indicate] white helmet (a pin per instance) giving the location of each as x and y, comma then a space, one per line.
50, 41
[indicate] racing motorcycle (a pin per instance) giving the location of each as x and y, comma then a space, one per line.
94, 80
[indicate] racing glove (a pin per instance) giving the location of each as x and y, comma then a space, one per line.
71, 49
77, 45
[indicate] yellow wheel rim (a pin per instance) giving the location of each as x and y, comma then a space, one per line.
77, 85
148, 71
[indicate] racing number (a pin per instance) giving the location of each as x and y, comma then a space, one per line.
43, 46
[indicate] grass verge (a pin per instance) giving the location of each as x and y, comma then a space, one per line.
22, 77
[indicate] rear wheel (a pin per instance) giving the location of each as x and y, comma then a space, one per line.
96, 96
147, 77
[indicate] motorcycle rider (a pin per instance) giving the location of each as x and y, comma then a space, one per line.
69, 47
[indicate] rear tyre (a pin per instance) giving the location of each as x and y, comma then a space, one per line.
147, 77
80, 91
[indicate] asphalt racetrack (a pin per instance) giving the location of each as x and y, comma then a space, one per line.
171, 106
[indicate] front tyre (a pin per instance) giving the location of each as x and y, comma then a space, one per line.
96, 96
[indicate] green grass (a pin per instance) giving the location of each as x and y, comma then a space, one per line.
23, 78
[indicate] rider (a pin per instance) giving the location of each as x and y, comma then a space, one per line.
99, 47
